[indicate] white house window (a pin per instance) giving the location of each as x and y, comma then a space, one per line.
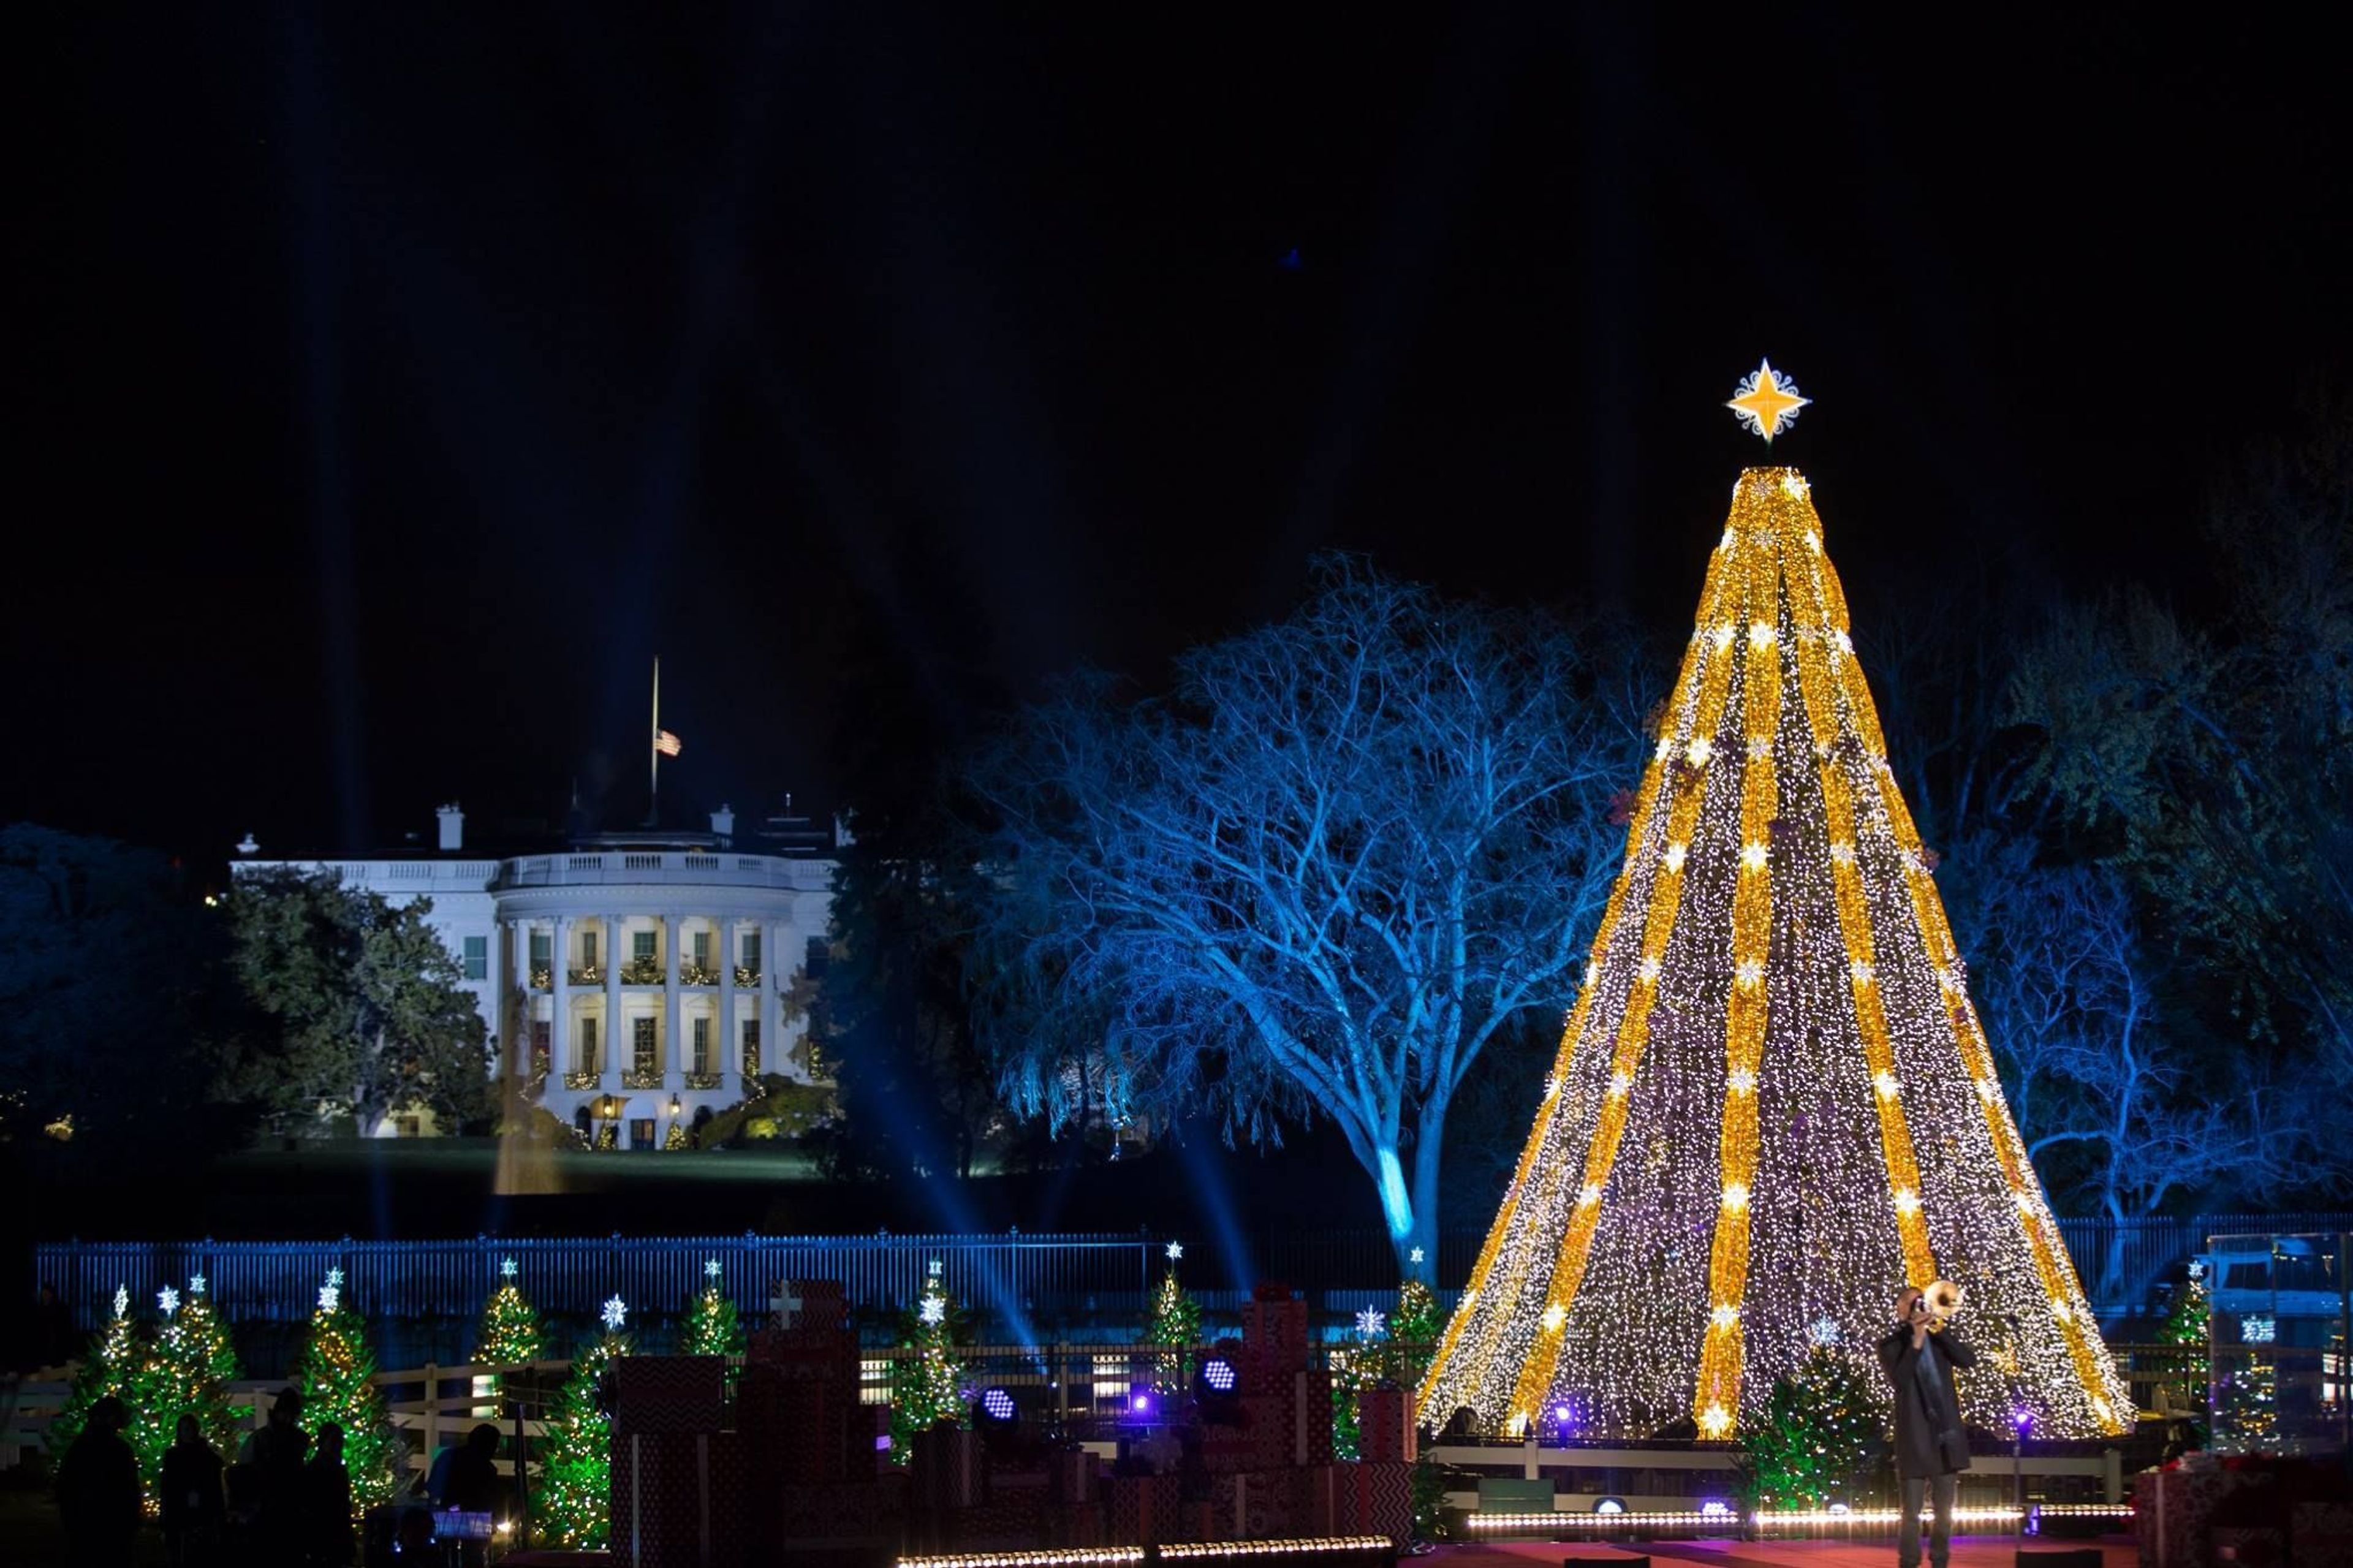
644, 1052
702, 1062
542, 945
751, 950
588, 950
703, 949
478, 958
642, 946
584, 1047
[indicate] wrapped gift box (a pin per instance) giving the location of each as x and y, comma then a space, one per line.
949, 1469
811, 1306
850, 1513
680, 1499
1274, 1330
1070, 1525
1071, 1476
1372, 1499
821, 1358
1144, 1509
1385, 1431
2320, 1534
1263, 1505
1311, 1418
2172, 1511
669, 1392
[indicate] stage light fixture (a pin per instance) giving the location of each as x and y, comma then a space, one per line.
1609, 1505
997, 1404
1219, 1374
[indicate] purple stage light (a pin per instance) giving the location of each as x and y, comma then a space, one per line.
1219, 1374
998, 1404
1142, 1403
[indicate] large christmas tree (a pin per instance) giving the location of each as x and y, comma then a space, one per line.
579, 1457
335, 1371
1773, 1104
187, 1372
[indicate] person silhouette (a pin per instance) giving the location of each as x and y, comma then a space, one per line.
98, 1490
194, 1511
327, 1487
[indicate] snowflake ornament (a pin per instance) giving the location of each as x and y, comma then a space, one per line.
615, 1312
195, 1284
506, 1267
331, 1294
1823, 1331
121, 1301
1175, 1250
711, 1271
1369, 1323
934, 1309
1415, 1256
169, 1300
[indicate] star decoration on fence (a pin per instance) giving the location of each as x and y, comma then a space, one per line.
1369, 1323
711, 1271
934, 1309
121, 1301
615, 1313
169, 1300
1175, 1250
1415, 1256
506, 1267
195, 1284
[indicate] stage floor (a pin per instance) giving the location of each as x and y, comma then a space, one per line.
1863, 1551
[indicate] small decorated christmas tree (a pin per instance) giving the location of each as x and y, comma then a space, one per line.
1414, 1329
1822, 1422
711, 1326
928, 1386
186, 1372
334, 1370
579, 1457
109, 1365
2189, 1328
1175, 1324
511, 1332
1365, 1365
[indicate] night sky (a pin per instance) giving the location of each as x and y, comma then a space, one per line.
388, 385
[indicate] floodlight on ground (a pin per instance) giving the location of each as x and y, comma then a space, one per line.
1219, 1374
997, 1404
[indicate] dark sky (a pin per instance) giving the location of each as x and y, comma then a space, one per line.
388, 384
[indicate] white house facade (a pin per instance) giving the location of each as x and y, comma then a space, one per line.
635, 979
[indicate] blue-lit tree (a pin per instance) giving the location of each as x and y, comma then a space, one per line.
1319, 875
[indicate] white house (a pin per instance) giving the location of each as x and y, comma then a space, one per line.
636, 978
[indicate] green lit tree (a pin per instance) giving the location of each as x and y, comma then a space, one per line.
2186, 1325
111, 1366
579, 1457
927, 1387
1414, 1330
1364, 1364
1177, 1326
1822, 1424
187, 1371
335, 1369
510, 1333
711, 1326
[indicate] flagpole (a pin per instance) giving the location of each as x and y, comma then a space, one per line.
653, 744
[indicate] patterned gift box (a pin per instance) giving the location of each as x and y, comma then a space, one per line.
1322, 1511
2170, 1511
669, 1392
1275, 1331
812, 1306
2320, 1534
679, 1501
2248, 1546
849, 1514
822, 1358
1143, 1509
1071, 1476
1262, 1505
1385, 1424
1007, 1524
1224, 1451
1375, 1499
1068, 1525
948, 1470
1311, 1432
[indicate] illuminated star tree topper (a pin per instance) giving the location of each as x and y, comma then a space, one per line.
331, 1294
1369, 1323
1766, 401
168, 1298
615, 1312
1175, 1250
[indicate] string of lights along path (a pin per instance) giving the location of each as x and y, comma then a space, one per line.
1772, 1102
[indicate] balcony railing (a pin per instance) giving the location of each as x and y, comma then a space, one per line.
702, 1081
583, 1080
642, 1077
588, 975
692, 973
659, 867
542, 977
747, 974
642, 972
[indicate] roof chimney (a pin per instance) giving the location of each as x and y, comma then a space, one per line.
453, 826
246, 846
723, 824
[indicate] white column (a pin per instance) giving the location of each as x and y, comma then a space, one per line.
559, 1033
725, 1030
670, 1055
772, 975
615, 1037
502, 1010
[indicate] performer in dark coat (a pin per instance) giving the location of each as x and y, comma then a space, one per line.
1930, 1448
98, 1490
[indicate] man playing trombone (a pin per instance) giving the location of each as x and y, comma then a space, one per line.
1920, 1353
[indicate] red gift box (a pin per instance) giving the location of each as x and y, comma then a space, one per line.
669, 1392
1070, 1525
810, 1307
679, 1501
1070, 1477
1144, 1509
949, 1468
1311, 1418
2320, 1534
1275, 1331
1262, 1505
1385, 1424
1320, 1507
1374, 1499
850, 1515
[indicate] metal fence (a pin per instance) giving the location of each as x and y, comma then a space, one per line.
1002, 1276
1010, 1277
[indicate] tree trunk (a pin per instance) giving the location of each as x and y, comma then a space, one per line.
1430, 1142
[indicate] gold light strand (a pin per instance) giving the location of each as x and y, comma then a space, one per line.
1716, 1401
1829, 648
1633, 1030
1445, 1379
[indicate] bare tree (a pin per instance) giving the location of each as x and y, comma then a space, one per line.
1317, 879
